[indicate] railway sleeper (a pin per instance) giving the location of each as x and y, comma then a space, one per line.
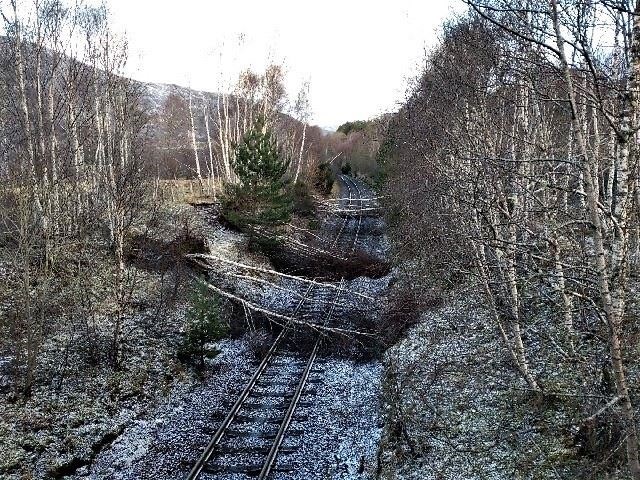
251, 434
276, 383
285, 395
258, 434
265, 406
272, 394
263, 419
251, 470
287, 361
248, 418
254, 449
277, 376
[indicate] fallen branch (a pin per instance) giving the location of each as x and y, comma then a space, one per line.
249, 278
201, 256
272, 315
609, 404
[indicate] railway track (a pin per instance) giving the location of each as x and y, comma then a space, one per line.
361, 199
256, 433
344, 208
246, 442
353, 208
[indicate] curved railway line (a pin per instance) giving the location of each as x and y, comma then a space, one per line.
356, 206
246, 442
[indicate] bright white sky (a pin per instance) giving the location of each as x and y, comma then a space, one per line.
357, 55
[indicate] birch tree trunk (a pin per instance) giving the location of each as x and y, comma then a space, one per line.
53, 147
304, 136
26, 119
212, 176
222, 137
194, 143
612, 302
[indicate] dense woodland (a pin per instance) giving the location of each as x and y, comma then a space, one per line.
514, 165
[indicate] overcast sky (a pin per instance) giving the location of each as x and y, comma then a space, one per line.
357, 55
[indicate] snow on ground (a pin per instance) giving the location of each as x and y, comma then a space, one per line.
341, 426
166, 442
341, 435
81, 406
456, 409
5, 363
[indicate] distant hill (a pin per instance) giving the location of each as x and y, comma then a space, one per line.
168, 107
168, 143
170, 146
158, 93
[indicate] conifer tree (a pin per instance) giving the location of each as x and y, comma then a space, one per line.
261, 196
204, 325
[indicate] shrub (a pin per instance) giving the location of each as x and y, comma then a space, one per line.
259, 342
324, 178
203, 326
302, 201
346, 168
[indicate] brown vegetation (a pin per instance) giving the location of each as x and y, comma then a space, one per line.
514, 164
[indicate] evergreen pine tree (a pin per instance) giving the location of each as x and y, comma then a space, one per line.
261, 196
203, 326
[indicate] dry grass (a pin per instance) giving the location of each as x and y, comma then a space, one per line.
190, 191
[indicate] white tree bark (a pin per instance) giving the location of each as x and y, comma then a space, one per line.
212, 175
612, 301
194, 142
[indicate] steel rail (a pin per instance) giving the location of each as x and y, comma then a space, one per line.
348, 208
206, 455
361, 198
215, 440
288, 417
